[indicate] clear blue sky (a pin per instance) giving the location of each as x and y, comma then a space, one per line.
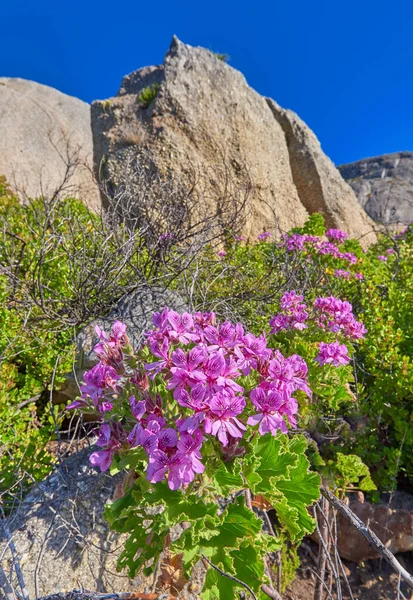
345, 66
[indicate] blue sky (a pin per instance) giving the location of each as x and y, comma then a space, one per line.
346, 67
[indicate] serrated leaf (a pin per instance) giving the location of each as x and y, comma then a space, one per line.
228, 479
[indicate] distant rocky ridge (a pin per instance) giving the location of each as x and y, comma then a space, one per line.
384, 186
204, 120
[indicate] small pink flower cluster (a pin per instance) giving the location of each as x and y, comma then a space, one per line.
293, 313
298, 242
204, 365
334, 353
328, 313
336, 235
342, 274
337, 316
264, 235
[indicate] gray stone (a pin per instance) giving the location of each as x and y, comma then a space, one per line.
320, 186
62, 539
384, 186
205, 115
40, 130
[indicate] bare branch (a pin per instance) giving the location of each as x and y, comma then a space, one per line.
370, 536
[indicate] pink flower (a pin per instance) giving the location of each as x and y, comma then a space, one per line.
390, 251
178, 464
221, 420
293, 313
342, 273
264, 235
182, 327
222, 253
102, 459
160, 350
268, 402
109, 348
334, 354
100, 379
382, 258
336, 235
138, 408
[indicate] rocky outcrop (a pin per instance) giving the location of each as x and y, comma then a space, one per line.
205, 117
319, 184
45, 141
384, 186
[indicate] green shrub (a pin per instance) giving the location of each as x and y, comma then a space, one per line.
148, 95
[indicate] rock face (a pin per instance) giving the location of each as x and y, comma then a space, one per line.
384, 186
319, 184
62, 538
41, 130
205, 116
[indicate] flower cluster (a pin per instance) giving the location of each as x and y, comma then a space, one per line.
264, 235
328, 313
335, 354
337, 316
299, 242
293, 313
217, 378
336, 235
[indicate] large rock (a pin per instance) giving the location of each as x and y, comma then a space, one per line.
42, 133
384, 186
320, 186
62, 540
205, 116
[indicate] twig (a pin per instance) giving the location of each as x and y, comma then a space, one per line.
322, 530
5, 585
221, 572
13, 551
370, 536
271, 592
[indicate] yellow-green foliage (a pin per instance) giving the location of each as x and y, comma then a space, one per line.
148, 95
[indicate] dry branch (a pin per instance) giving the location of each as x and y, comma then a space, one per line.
370, 536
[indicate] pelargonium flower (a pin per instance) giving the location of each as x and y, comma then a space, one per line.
329, 248
293, 313
109, 348
382, 258
336, 235
110, 439
390, 251
264, 235
349, 257
100, 379
359, 276
222, 253
268, 402
342, 273
294, 242
334, 353
337, 315
221, 420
